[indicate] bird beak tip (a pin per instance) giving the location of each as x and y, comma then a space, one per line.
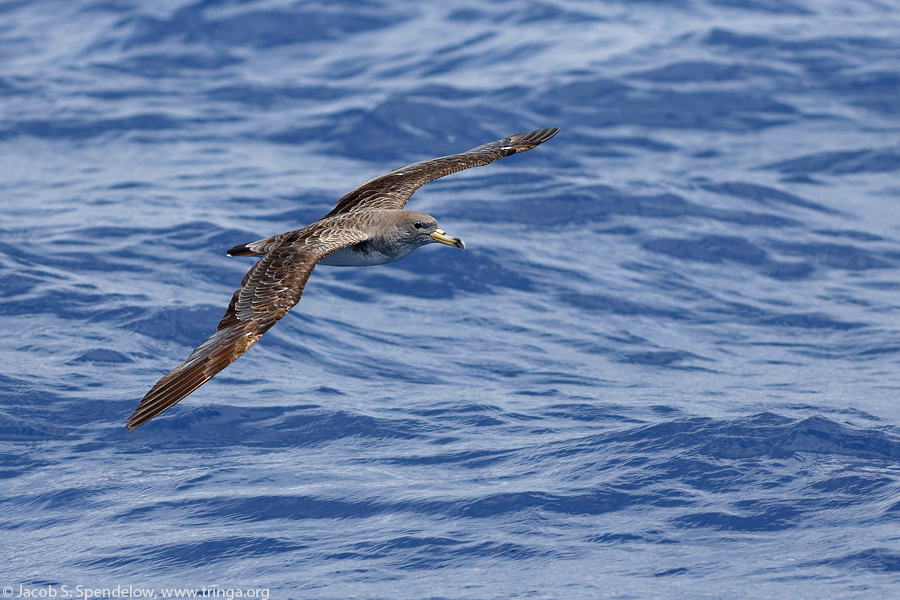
442, 238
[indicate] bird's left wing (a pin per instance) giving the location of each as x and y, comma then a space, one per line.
268, 291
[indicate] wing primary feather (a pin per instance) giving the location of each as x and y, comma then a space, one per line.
222, 349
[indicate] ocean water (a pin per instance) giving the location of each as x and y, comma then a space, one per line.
666, 365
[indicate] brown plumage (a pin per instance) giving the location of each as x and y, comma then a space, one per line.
367, 227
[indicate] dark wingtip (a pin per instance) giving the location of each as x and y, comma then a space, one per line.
539, 136
544, 134
134, 422
139, 417
522, 142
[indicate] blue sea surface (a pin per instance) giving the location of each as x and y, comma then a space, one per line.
667, 365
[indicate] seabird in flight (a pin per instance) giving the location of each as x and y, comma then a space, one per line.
367, 227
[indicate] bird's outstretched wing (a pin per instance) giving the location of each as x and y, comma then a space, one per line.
393, 189
268, 291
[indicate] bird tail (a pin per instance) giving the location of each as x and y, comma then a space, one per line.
245, 250
264, 245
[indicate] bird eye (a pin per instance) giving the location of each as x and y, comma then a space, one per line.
419, 225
